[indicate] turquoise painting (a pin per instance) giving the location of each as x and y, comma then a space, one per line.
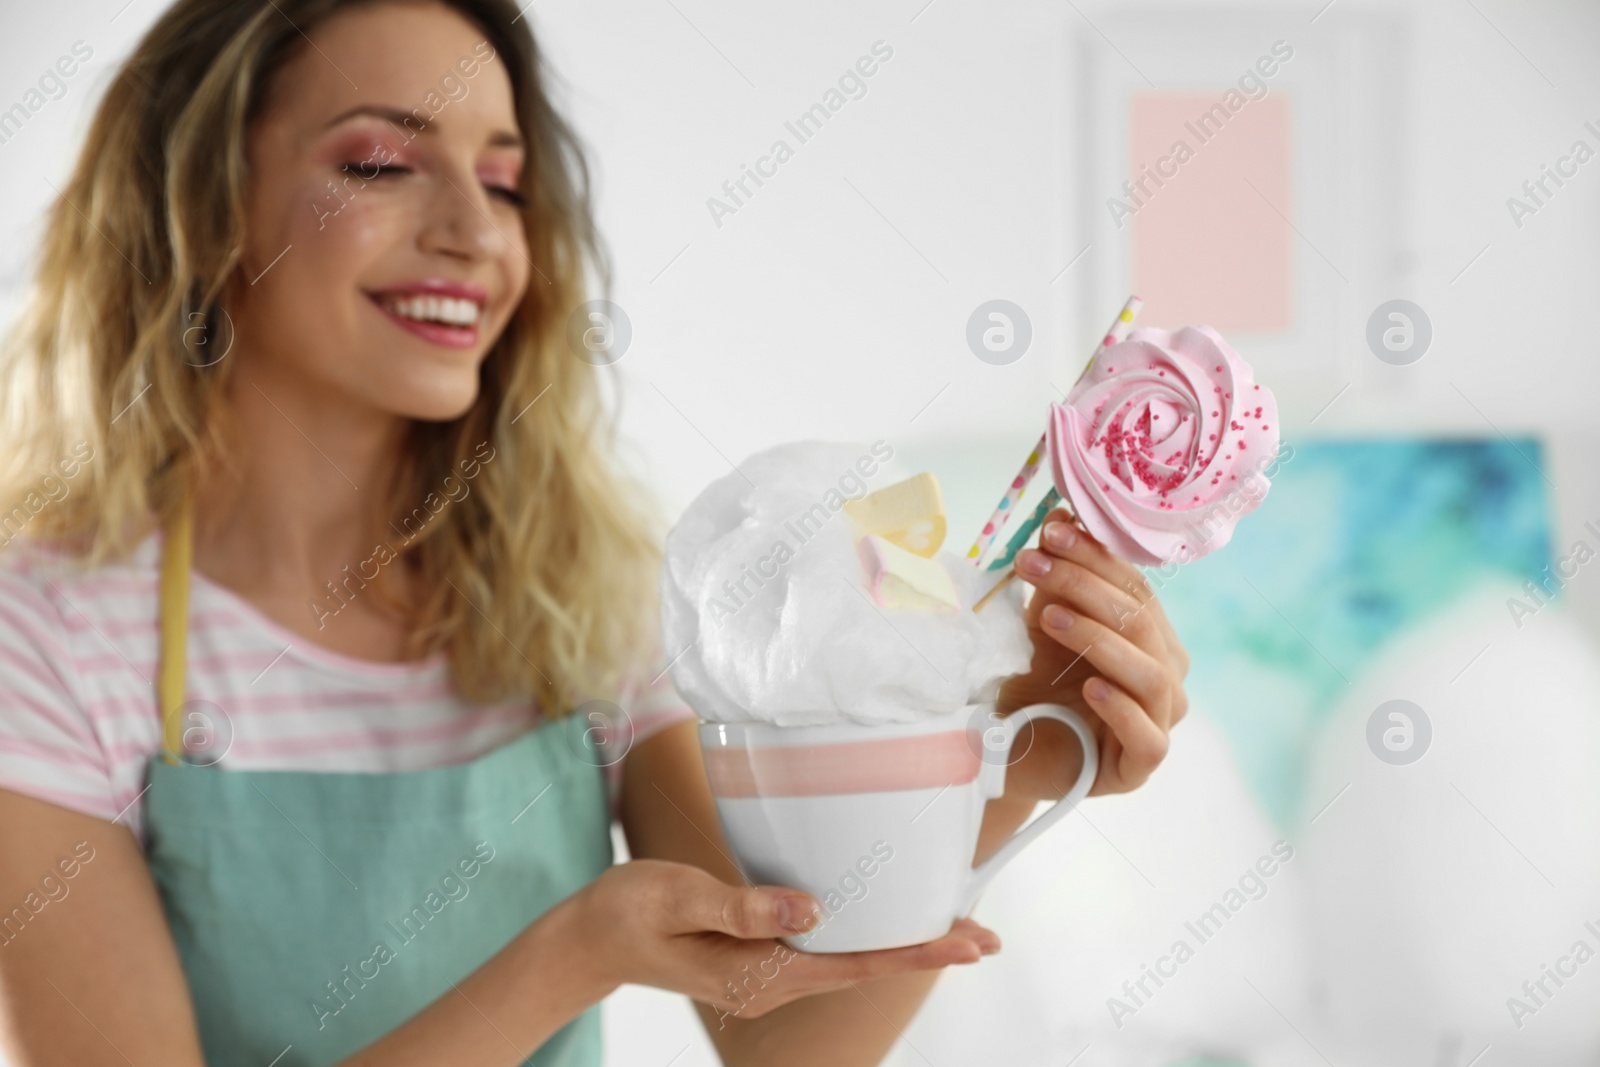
1356, 541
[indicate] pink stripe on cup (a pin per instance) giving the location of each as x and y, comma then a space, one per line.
885, 765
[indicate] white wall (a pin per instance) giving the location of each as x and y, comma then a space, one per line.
965, 144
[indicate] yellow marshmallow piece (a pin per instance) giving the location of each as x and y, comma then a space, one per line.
900, 579
908, 513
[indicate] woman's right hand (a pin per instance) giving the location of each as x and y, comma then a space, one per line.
677, 927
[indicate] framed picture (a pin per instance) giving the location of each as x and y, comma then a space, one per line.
1247, 170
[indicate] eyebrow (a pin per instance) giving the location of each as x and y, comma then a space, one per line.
499, 138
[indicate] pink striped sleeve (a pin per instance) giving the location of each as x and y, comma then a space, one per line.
650, 704
48, 745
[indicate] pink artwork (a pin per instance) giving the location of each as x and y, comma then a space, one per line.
1208, 186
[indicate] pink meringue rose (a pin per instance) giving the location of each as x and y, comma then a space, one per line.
1160, 447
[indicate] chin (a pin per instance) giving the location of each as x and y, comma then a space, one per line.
433, 397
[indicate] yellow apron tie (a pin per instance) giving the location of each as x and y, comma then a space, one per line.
176, 558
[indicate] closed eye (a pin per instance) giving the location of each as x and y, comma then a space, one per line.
371, 172
510, 196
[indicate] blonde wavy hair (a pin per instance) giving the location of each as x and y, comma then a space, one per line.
541, 582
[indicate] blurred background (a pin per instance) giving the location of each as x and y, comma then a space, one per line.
1440, 886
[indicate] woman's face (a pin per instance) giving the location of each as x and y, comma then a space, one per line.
385, 250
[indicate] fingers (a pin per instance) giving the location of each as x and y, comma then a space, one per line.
982, 936
967, 942
700, 901
1143, 742
1062, 539
1127, 666
786, 974
858, 966
1134, 696
722, 944
1180, 706
1088, 593
1101, 608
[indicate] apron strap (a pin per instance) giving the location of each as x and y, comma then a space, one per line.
176, 558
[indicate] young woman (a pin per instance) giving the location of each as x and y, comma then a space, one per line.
304, 485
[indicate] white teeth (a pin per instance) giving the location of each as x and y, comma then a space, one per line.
444, 309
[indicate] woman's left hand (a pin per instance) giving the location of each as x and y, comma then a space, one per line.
1102, 645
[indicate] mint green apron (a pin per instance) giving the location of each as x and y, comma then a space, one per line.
315, 912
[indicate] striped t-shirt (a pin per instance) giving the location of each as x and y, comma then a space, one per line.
78, 718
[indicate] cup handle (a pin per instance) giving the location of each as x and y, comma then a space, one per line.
980, 876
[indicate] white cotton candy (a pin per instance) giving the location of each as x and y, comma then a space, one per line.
765, 606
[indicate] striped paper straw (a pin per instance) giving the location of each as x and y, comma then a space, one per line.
991, 529
1025, 531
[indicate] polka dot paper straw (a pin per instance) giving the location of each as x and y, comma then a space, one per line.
1119, 330
991, 529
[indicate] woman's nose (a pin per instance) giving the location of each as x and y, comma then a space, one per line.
458, 222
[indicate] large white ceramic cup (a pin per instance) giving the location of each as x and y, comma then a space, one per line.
878, 823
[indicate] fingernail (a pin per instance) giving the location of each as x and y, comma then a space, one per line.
1057, 616
989, 945
1033, 564
1095, 689
1060, 535
796, 913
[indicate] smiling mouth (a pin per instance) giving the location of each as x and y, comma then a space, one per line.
450, 321
440, 310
